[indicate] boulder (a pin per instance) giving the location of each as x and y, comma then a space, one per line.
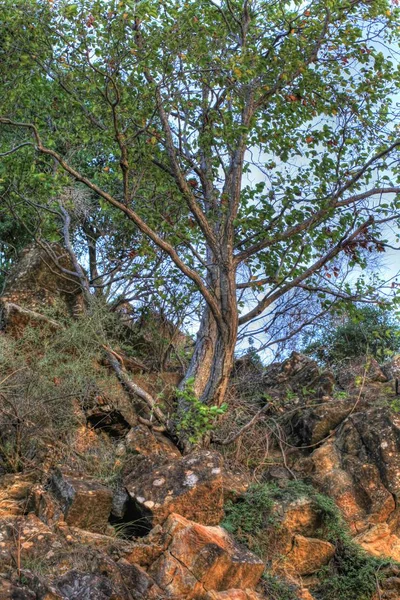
85, 503
359, 467
11, 591
37, 281
300, 375
202, 559
391, 369
25, 538
141, 440
234, 595
379, 541
191, 486
354, 372
307, 555
310, 425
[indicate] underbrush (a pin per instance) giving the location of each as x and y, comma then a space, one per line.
48, 377
352, 574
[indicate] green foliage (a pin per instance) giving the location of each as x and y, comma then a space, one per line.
273, 80
47, 378
367, 330
198, 419
352, 574
275, 588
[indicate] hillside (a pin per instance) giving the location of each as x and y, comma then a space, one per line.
98, 503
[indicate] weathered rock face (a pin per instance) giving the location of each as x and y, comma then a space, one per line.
85, 503
201, 559
310, 425
360, 467
35, 282
391, 369
142, 441
24, 539
359, 370
293, 546
191, 486
299, 374
234, 595
380, 541
308, 555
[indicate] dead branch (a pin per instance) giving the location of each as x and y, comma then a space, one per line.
10, 306
231, 438
133, 388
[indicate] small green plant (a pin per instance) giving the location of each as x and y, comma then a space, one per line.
198, 418
395, 405
340, 395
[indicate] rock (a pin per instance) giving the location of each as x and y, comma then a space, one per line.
391, 369
355, 371
360, 467
202, 559
36, 281
120, 502
380, 541
299, 374
86, 504
191, 486
234, 595
26, 536
304, 594
149, 548
84, 586
10, 591
142, 440
15, 493
307, 555
45, 506
310, 425
298, 516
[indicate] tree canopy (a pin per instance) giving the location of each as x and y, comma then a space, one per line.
243, 154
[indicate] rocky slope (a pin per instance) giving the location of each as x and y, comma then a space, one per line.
316, 516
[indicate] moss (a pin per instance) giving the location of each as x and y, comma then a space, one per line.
351, 575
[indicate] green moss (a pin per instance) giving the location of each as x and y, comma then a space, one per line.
351, 575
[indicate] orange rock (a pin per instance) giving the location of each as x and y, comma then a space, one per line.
304, 594
308, 555
380, 541
234, 595
202, 559
85, 503
143, 441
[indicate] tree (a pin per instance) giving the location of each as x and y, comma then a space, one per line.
253, 143
366, 330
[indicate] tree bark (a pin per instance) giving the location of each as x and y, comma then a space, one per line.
212, 360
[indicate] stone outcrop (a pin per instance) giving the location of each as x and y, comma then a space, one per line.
86, 504
38, 281
300, 375
360, 467
200, 559
358, 371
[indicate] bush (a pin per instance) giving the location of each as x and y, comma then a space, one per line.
47, 378
368, 330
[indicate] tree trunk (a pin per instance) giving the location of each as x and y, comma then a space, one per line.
212, 360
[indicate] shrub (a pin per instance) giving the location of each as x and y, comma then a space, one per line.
366, 330
47, 378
